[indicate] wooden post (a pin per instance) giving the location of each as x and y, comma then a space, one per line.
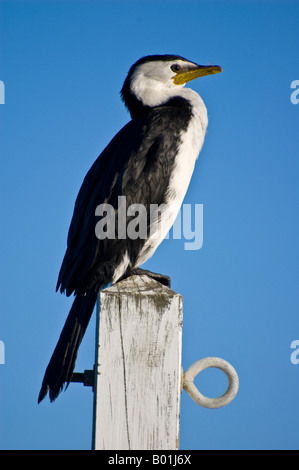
138, 367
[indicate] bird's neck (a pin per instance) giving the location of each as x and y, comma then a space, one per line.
140, 107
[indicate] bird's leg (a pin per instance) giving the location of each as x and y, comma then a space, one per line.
162, 278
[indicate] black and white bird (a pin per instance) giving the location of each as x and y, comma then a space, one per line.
150, 162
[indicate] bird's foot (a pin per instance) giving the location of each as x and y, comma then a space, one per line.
162, 278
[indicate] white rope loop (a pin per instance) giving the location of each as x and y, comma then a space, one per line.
207, 363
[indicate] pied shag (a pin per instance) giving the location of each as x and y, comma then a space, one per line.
150, 162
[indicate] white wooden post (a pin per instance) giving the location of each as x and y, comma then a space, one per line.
138, 367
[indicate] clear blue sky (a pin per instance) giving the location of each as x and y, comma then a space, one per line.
63, 64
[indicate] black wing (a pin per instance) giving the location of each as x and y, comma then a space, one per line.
137, 164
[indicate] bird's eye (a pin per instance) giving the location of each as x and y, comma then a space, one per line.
175, 67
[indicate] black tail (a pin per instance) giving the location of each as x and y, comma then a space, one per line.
62, 363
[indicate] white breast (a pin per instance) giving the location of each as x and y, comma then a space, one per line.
192, 141
191, 144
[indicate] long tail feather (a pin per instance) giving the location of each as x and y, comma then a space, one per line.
62, 363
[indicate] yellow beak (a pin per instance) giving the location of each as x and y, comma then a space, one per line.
184, 76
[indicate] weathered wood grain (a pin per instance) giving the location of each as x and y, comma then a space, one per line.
138, 363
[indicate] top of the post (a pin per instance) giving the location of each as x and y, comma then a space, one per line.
141, 285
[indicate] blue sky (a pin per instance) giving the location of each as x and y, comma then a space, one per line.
63, 64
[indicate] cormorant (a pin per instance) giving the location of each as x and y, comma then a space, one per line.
149, 162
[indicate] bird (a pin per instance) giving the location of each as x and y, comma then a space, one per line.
150, 161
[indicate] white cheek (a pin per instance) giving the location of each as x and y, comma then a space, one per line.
153, 85
151, 92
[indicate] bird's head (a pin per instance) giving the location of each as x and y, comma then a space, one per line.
154, 79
